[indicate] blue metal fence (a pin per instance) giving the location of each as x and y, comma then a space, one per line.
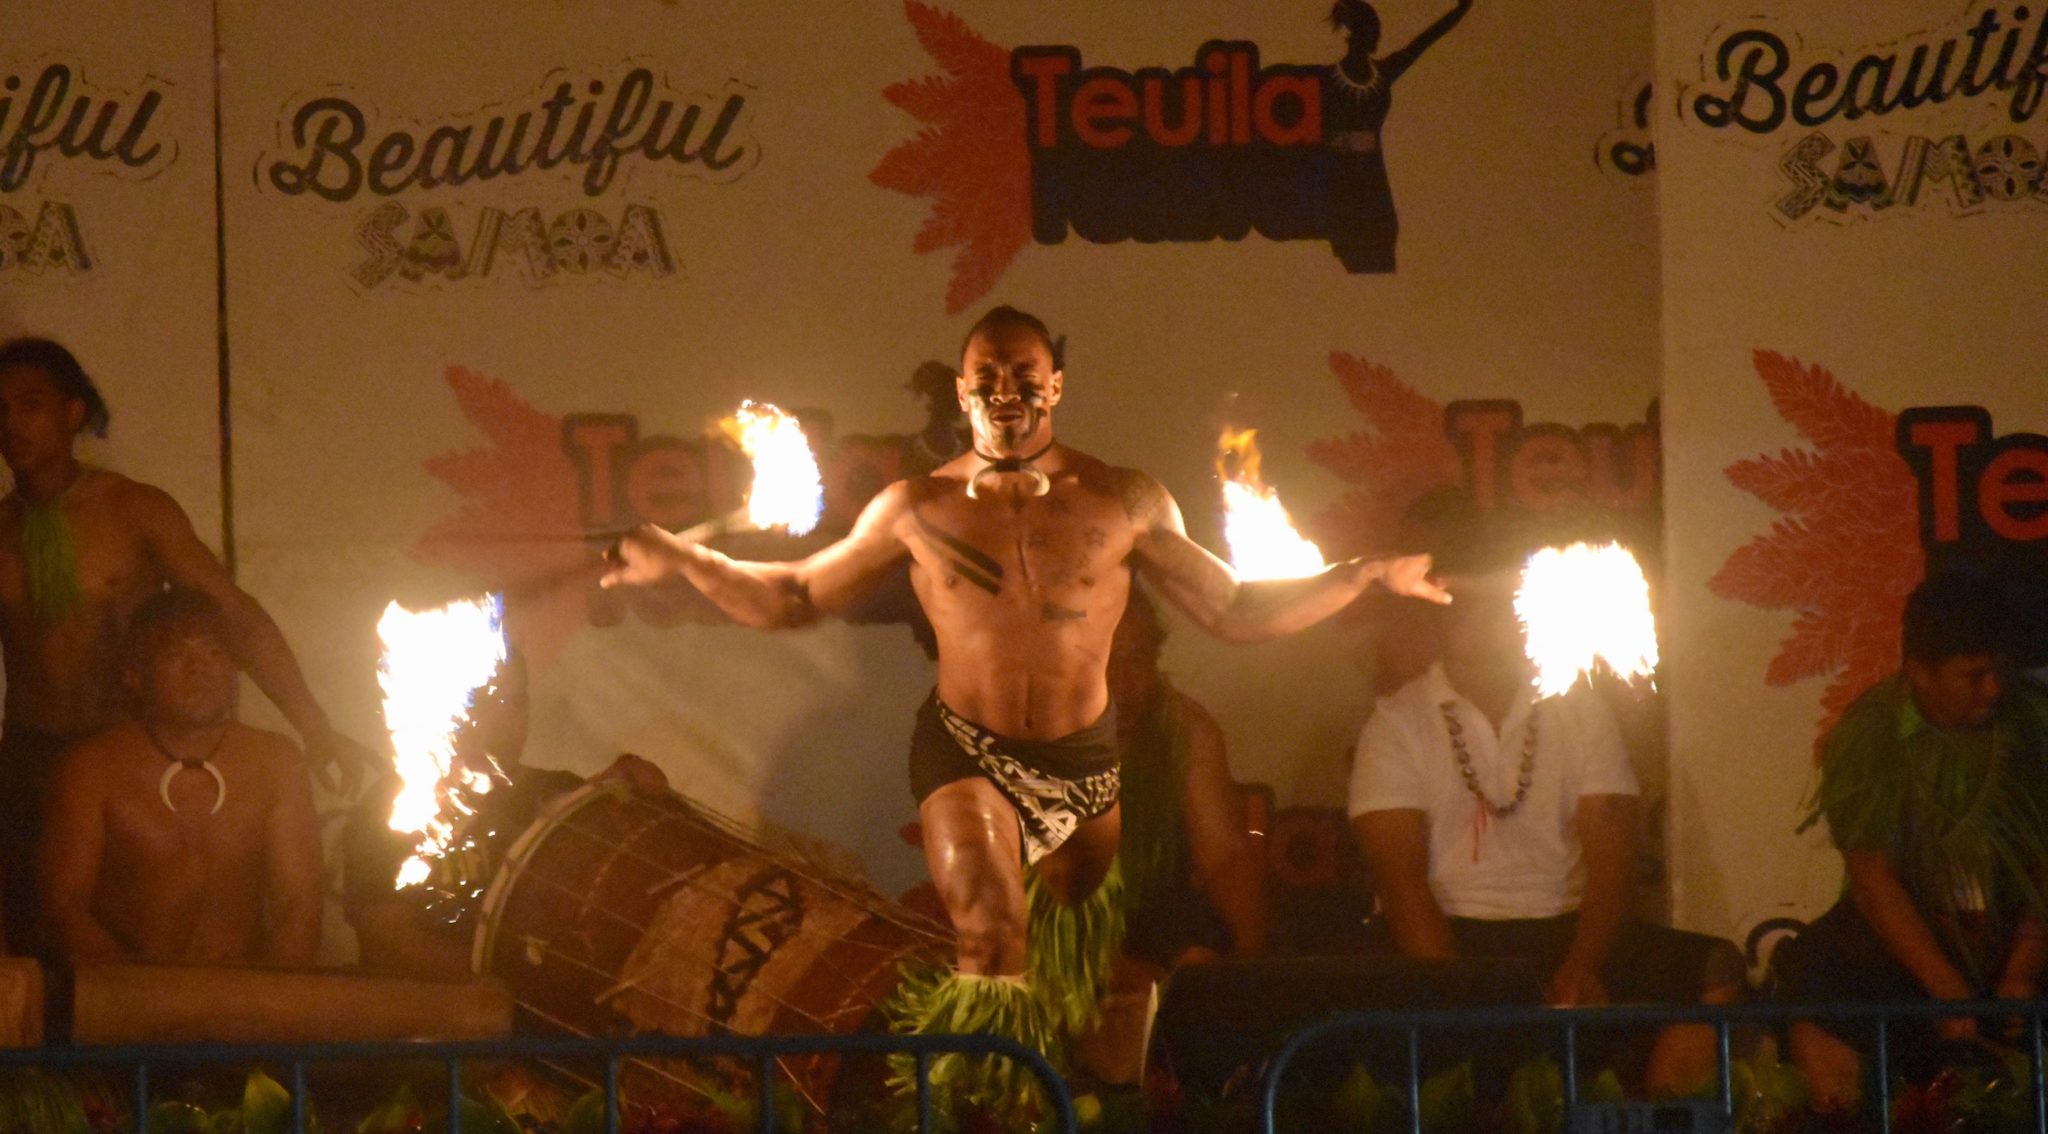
1569, 1023
763, 1051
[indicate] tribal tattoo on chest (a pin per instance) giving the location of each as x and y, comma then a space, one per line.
964, 559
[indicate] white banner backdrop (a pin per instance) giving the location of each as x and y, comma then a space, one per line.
460, 354
445, 379
1851, 229
107, 224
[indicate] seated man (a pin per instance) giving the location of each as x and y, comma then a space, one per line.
1934, 784
182, 835
1495, 825
426, 931
1193, 876
80, 548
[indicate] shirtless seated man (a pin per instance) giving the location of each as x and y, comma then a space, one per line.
1021, 553
80, 548
182, 835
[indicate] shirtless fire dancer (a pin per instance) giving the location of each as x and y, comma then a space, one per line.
1021, 553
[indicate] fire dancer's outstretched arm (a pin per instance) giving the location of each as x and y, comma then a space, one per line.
771, 595
1208, 591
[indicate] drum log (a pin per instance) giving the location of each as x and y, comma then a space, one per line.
618, 913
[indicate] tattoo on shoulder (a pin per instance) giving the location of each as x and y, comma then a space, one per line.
968, 561
1054, 612
1140, 495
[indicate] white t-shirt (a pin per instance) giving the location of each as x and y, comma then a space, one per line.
1526, 864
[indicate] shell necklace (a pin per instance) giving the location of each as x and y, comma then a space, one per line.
1464, 757
1040, 483
175, 763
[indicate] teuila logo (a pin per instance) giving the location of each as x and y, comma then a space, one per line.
1036, 144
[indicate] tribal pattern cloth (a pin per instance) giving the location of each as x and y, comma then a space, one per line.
1054, 785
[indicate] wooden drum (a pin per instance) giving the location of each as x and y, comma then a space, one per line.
617, 913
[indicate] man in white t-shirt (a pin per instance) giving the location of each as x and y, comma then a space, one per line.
1497, 825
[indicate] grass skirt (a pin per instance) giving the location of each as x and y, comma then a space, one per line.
1069, 951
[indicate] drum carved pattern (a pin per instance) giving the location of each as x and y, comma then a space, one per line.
766, 914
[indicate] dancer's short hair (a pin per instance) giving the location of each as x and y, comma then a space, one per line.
55, 360
1006, 318
168, 614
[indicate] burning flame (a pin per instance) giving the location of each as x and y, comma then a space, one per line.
1582, 605
434, 662
787, 492
1262, 540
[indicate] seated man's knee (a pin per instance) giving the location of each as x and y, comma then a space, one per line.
1725, 975
1832, 1068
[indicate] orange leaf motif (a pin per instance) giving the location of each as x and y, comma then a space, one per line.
970, 156
518, 529
1401, 454
1847, 552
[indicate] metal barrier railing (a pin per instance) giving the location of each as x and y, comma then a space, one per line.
1570, 1022
765, 1051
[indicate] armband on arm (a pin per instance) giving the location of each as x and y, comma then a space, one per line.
797, 607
